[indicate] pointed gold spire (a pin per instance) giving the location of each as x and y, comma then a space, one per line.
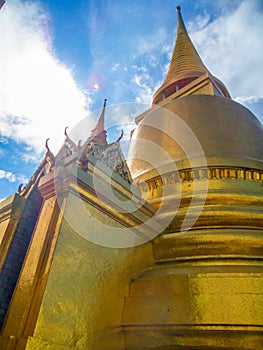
185, 66
99, 134
100, 123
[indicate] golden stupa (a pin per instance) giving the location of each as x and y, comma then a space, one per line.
212, 272
196, 158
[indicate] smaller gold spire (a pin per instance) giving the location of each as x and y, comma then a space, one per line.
99, 134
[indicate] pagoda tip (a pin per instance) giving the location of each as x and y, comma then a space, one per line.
105, 100
178, 8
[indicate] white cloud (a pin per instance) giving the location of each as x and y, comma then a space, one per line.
248, 99
143, 81
8, 175
144, 96
254, 104
231, 47
154, 42
3, 140
146, 84
137, 79
22, 179
200, 21
38, 95
139, 68
115, 67
152, 60
11, 177
31, 157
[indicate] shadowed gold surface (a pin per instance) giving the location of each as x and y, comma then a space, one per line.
10, 213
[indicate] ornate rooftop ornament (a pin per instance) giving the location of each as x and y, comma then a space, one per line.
20, 188
97, 141
120, 137
67, 149
69, 143
99, 134
49, 158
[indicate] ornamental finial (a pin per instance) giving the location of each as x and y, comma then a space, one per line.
120, 137
48, 150
65, 131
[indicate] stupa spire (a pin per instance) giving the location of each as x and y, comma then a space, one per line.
180, 23
185, 66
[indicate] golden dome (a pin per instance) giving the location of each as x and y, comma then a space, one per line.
229, 134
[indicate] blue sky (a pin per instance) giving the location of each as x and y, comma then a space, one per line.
60, 59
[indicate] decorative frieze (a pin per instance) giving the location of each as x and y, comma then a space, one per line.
209, 173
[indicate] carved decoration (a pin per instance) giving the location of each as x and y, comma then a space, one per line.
20, 188
120, 137
114, 159
49, 159
210, 173
67, 149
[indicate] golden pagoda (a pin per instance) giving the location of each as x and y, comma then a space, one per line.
183, 269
